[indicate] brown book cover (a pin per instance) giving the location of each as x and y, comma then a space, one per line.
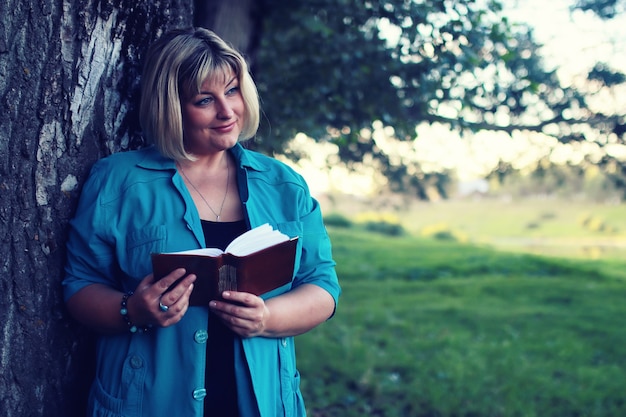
256, 273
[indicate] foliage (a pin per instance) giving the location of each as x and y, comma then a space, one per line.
443, 231
459, 57
595, 223
432, 328
377, 216
328, 69
384, 223
584, 180
605, 9
603, 73
384, 228
337, 220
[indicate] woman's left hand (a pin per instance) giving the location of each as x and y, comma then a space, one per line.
242, 312
292, 313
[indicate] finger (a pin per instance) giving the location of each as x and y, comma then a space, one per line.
180, 306
242, 298
176, 311
167, 281
243, 327
238, 316
175, 303
173, 293
227, 308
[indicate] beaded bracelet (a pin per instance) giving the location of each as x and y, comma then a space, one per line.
124, 312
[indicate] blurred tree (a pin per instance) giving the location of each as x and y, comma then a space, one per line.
331, 68
605, 9
613, 125
69, 76
239, 22
584, 181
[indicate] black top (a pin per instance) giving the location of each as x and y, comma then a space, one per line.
221, 399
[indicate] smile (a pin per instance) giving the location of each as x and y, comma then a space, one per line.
225, 128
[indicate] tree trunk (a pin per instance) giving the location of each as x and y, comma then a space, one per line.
236, 21
68, 86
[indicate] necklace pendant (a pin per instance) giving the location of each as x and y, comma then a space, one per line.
217, 215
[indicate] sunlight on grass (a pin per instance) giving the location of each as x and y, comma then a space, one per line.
549, 227
438, 328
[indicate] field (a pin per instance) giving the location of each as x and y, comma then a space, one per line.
438, 327
542, 226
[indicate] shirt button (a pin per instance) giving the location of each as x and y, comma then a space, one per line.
199, 394
136, 362
284, 341
201, 336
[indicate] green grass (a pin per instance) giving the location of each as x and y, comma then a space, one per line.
541, 226
520, 218
432, 328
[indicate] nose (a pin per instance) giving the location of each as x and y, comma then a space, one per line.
224, 110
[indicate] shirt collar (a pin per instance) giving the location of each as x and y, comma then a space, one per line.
248, 159
154, 160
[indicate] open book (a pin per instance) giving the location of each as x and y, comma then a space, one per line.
258, 261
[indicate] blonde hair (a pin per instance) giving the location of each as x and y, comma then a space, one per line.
175, 67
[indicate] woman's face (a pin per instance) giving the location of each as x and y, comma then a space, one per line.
213, 118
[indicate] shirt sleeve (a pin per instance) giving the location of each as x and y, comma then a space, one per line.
317, 265
90, 252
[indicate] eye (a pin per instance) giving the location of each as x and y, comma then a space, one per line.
232, 91
204, 101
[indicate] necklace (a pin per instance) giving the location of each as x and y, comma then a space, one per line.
217, 215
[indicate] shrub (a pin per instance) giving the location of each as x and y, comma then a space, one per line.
532, 225
389, 229
337, 220
384, 223
596, 225
441, 231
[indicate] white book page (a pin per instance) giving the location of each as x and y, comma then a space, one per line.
203, 252
254, 240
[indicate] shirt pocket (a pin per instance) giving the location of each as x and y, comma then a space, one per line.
135, 260
130, 389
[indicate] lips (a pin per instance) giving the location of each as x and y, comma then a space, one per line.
224, 128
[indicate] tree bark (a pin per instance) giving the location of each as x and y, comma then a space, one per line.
238, 22
68, 87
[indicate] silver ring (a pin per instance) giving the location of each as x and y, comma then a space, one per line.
163, 307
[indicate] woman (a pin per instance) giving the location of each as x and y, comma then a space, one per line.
196, 187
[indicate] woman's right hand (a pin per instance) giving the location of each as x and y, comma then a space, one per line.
144, 306
98, 305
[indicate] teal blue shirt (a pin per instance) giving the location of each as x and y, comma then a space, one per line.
135, 203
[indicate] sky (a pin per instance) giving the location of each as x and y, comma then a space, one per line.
572, 43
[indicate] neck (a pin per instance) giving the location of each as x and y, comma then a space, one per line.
206, 164
208, 184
